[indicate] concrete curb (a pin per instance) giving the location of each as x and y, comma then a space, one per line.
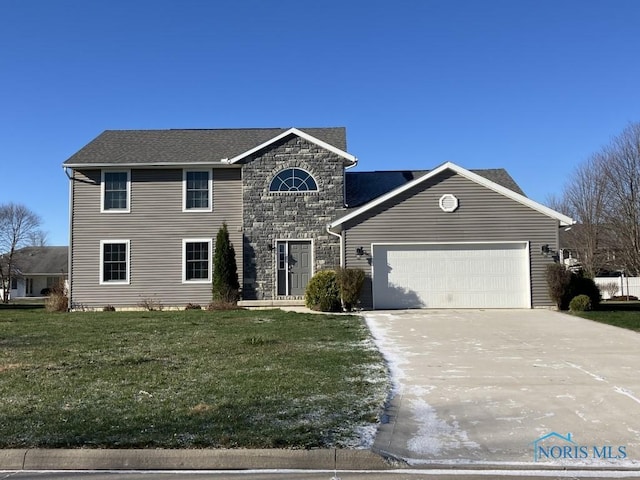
204, 459
12, 459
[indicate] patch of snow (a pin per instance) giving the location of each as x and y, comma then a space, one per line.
627, 393
593, 375
546, 415
511, 419
566, 395
365, 435
434, 434
392, 354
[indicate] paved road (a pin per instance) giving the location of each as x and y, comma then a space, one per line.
319, 475
482, 386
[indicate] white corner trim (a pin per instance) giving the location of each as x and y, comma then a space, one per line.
301, 134
563, 219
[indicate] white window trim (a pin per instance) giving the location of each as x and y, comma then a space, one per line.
293, 192
184, 190
115, 210
209, 241
286, 241
128, 256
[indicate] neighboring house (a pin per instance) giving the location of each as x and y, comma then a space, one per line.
146, 207
38, 269
597, 246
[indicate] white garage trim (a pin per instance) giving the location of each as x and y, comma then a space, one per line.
448, 284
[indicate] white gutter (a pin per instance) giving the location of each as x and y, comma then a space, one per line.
342, 259
89, 166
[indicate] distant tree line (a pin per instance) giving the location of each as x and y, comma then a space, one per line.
603, 197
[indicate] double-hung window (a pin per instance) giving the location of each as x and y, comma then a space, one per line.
116, 191
114, 261
197, 190
196, 263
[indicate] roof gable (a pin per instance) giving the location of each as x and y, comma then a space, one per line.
192, 147
362, 187
474, 177
294, 131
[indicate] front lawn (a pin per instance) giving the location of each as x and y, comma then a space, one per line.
628, 319
256, 379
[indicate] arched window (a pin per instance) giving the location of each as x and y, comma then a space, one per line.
293, 180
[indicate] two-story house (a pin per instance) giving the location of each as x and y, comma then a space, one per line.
146, 206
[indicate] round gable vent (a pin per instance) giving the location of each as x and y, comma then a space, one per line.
448, 202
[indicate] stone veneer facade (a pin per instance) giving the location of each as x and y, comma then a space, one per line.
268, 217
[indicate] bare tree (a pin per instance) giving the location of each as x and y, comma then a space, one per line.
583, 199
38, 238
621, 172
603, 196
17, 226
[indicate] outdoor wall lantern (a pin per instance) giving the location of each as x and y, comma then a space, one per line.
359, 252
270, 247
545, 249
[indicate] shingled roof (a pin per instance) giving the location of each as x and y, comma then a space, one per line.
362, 187
154, 147
41, 260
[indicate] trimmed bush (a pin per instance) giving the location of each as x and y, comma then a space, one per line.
564, 286
581, 303
322, 293
581, 285
226, 286
350, 281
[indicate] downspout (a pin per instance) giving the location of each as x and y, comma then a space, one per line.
344, 182
342, 259
344, 202
70, 302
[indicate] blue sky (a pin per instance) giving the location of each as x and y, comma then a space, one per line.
531, 86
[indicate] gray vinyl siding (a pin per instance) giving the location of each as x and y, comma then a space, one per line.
482, 216
155, 227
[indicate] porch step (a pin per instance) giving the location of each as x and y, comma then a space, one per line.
288, 302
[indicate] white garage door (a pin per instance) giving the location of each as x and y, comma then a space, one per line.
479, 275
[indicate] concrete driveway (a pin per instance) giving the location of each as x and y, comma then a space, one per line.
476, 387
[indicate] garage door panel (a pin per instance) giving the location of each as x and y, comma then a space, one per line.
451, 276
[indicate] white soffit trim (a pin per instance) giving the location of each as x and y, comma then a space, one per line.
474, 177
301, 134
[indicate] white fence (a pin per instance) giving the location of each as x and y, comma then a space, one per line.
626, 286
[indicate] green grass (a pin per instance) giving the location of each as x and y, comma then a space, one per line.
628, 319
256, 379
